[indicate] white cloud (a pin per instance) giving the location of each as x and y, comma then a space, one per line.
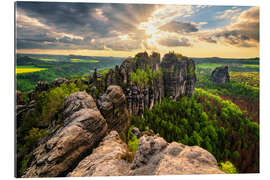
229, 13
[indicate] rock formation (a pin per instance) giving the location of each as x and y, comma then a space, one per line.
58, 82
178, 80
112, 106
178, 75
84, 127
220, 75
42, 86
105, 160
157, 157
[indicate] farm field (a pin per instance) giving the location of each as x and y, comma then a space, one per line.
44, 59
84, 61
28, 69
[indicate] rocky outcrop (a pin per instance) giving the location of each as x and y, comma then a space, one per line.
84, 127
105, 160
42, 86
220, 75
178, 75
157, 157
112, 106
57, 82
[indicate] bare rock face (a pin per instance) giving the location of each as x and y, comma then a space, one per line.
148, 155
156, 157
76, 102
220, 75
181, 159
113, 107
64, 149
178, 75
105, 160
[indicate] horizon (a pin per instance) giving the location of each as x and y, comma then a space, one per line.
133, 56
123, 30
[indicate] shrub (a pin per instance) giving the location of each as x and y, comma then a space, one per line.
228, 167
133, 144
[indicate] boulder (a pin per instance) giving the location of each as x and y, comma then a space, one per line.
64, 149
220, 75
112, 106
157, 157
105, 160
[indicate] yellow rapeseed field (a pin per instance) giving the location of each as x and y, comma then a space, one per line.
28, 70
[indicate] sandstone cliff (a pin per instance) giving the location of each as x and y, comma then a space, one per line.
178, 80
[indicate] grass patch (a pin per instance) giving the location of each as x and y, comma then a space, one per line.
84, 61
44, 59
208, 65
251, 65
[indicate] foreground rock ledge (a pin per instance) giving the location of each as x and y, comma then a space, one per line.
106, 160
156, 157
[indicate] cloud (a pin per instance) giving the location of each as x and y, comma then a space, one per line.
180, 27
244, 32
208, 39
75, 24
203, 23
229, 13
174, 41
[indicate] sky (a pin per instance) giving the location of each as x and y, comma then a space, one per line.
122, 30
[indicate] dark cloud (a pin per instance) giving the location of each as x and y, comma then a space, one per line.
173, 42
179, 27
207, 39
243, 33
86, 20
